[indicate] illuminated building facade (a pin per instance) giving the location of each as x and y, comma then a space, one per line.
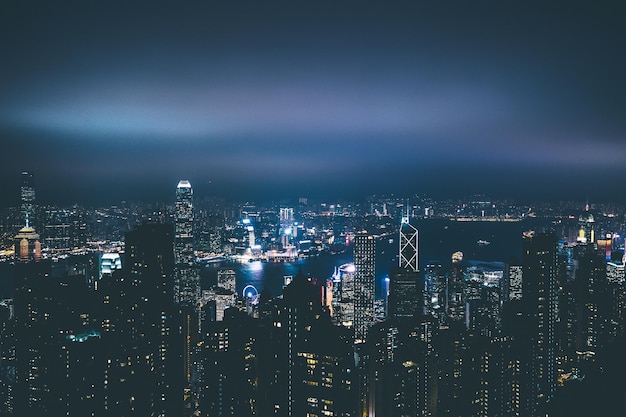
586, 227
364, 276
513, 281
27, 246
408, 246
27, 194
109, 263
343, 296
615, 272
187, 281
183, 238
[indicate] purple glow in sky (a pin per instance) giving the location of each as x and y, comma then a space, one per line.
284, 99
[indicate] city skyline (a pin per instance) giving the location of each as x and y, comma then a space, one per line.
103, 103
394, 307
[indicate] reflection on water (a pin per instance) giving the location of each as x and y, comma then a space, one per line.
439, 239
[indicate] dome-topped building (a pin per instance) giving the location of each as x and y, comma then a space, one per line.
586, 227
27, 245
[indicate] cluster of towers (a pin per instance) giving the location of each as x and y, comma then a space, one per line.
149, 342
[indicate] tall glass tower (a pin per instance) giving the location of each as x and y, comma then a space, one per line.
408, 245
183, 238
406, 289
27, 194
187, 282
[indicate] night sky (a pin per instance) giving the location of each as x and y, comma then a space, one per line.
106, 101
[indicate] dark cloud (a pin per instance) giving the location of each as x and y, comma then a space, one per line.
284, 98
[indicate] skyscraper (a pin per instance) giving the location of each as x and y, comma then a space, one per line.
364, 275
408, 245
540, 299
27, 194
187, 283
405, 295
183, 238
142, 326
405, 286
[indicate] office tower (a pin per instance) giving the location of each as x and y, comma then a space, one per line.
27, 193
540, 299
364, 276
183, 240
405, 295
408, 245
343, 296
187, 282
406, 288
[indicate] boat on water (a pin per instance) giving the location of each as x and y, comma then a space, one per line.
483, 242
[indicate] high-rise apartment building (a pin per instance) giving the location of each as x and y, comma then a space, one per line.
540, 299
142, 326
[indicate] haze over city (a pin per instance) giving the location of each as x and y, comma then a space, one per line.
108, 101
287, 209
